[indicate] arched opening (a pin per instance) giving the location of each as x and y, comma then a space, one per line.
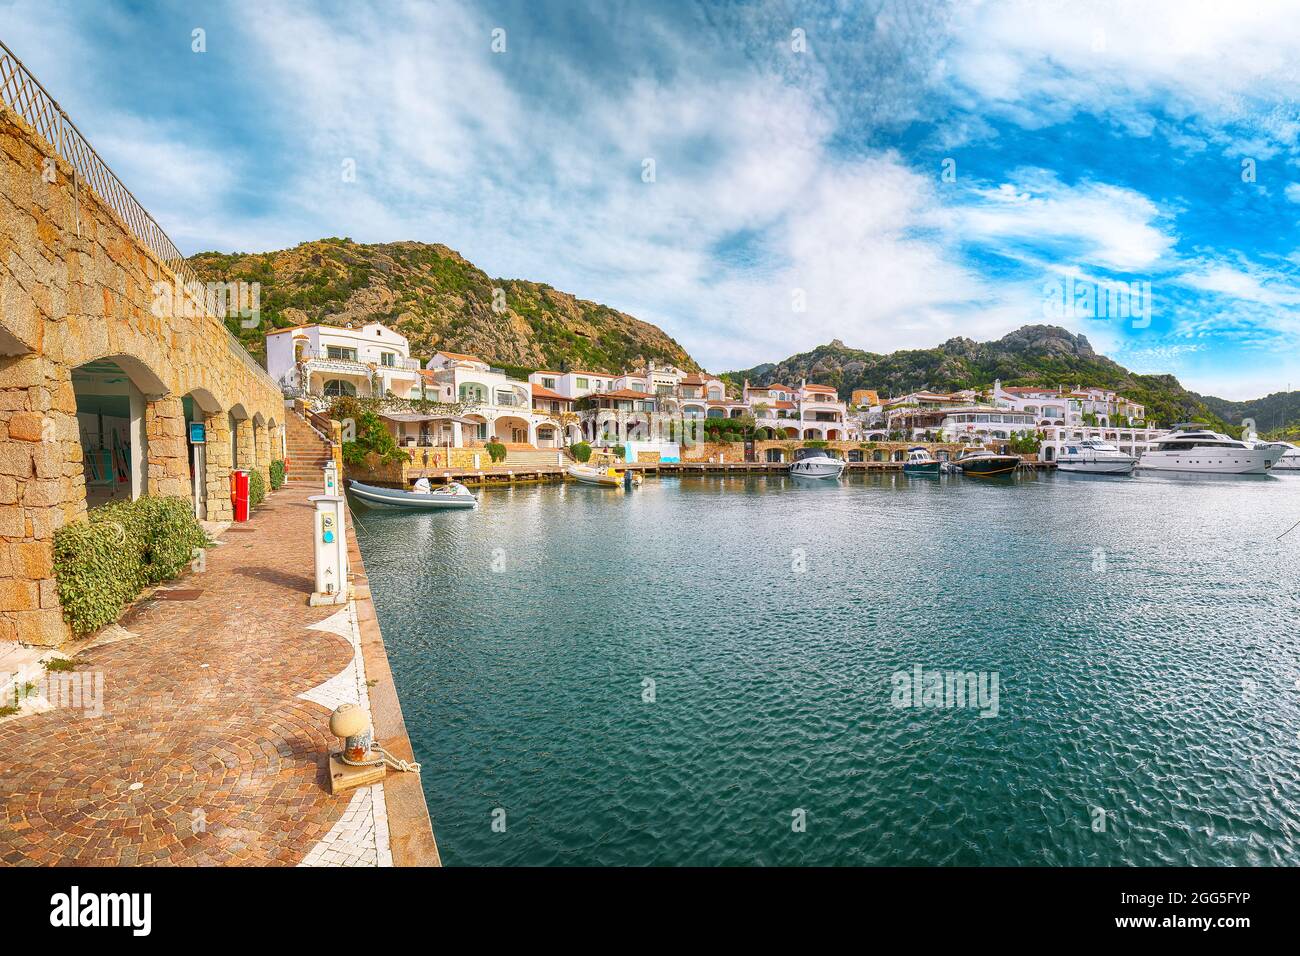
473, 392
792, 432
240, 440
509, 429
198, 406
546, 437
717, 413
775, 455
878, 455
833, 434
1049, 453
812, 433
855, 455
110, 395
337, 387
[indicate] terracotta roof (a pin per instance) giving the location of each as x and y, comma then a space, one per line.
458, 356
540, 391
818, 388
621, 393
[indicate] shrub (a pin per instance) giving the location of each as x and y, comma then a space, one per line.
371, 438
256, 489
277, 474
581, 452
496, 451
815, 443
102, 563
619, 451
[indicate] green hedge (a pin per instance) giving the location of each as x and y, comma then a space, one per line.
102, 563
277, 474
581, 452
256, 489
496, 451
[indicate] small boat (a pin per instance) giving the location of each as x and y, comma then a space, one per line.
592, 475
815, 463
919, 462
453, 495
982, 463
1196, 449
1092, 456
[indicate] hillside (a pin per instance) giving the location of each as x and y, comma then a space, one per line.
438, 300
1033, 355
1276, 414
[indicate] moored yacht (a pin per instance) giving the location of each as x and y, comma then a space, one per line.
1095, 457
1290, 460
982, 463
816, 463
1196, 449
920, 462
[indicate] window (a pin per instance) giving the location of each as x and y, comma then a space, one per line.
336, 386
473, 392
505, 396
581, 383
388, 359
548, 383
339, 352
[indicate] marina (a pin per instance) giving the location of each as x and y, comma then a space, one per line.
1095, 601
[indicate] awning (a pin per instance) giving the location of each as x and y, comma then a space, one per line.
416, 417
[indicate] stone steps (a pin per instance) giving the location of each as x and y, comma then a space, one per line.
308, 452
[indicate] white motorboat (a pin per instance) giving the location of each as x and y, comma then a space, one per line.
1092, 456
593, 475
816, 464
1290, 460
1196, 449
451, 495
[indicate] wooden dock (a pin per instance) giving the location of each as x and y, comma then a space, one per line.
531, 474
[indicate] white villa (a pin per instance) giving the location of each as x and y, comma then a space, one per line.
1056, 406
331, 360
805, 411
496, 405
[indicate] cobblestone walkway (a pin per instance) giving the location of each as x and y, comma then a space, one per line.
212, 743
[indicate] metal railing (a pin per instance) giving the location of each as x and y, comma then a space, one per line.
25, 95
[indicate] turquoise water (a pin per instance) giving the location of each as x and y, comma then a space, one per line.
1143, 634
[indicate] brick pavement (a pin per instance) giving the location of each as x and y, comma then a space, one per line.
212, 745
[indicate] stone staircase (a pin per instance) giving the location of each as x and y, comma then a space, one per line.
526, 456
308, 450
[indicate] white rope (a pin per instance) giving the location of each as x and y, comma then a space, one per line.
394, 762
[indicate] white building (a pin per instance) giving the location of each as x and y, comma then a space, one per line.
1056, 406
495, 406
330, 360
803, 411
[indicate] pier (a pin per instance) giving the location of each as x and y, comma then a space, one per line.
493, 475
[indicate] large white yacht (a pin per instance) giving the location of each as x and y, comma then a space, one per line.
1290, 460
1092, 456
812, 463
1194, 448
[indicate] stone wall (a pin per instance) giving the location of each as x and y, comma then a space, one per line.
76, 286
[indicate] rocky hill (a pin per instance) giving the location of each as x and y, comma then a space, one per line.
438, 300
1033, 355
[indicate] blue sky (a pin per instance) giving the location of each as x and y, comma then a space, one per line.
1102, 142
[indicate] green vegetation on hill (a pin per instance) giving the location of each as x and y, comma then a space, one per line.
1276, 415
438, 300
